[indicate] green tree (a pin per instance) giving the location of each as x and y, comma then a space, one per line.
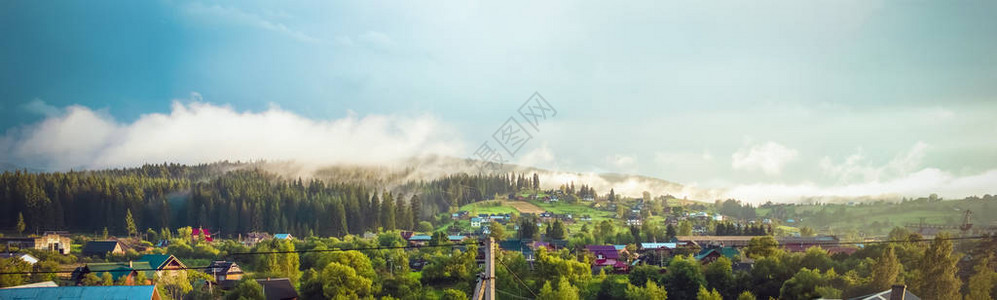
91, 279
684, 277
343, 281
246, 289
885, 270
452, 294
13, 265
762, 246
286, 263
650, 290
936, 278
496, 231
685, 228
424, 226
311, 285
557, 230
982, 282
720, 277
388, 212
746, 295
528, 229
803, 285
807, 231
20, 223
130, 224
604, 231
106, 279
703, 294
565, 291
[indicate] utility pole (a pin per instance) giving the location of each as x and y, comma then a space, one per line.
485, 289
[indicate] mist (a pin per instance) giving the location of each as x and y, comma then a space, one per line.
79, 137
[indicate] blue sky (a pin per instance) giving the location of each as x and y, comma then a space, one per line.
767, 97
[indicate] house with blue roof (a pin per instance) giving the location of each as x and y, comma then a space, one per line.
82, 292
283, 236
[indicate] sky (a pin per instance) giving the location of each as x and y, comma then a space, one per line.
767, 100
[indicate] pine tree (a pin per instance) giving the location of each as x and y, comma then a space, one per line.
388, 213
416, 207
20, 223
937, 272
981, 283
885, 271
130, 224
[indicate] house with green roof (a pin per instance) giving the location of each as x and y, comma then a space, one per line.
709, 255
129, 270
163, 263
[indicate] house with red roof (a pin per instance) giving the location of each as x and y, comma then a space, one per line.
198, 231
606, 256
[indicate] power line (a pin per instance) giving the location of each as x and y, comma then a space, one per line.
511, 294
517, 278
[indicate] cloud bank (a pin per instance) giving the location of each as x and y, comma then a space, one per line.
198, 132
769, 158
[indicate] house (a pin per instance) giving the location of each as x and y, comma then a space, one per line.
224, 270
254, 238
476, 222
28, 258
633, 221
419, 240
34, 285
606, 256
709, 255
278, 289
801, 244
586, 218
516, 245
889, 294
708, 241
456, 238
163, 263
82, 292
194, 234
102, 248
129, 270
283, 236
588, 198
51, 241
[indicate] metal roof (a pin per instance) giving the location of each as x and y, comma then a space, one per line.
81, 292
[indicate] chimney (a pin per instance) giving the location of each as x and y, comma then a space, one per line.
898, 291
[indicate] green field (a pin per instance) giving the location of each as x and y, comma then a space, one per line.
488, 207
880, 218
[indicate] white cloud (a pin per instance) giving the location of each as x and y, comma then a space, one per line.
770, 158
241, 17
621, 162
917, 184
854, 167
200, 132
40, 107
541, 157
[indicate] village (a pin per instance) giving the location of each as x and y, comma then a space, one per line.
631, 233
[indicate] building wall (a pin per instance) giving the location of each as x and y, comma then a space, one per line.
53, 242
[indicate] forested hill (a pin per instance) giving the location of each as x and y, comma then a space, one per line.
229, 198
